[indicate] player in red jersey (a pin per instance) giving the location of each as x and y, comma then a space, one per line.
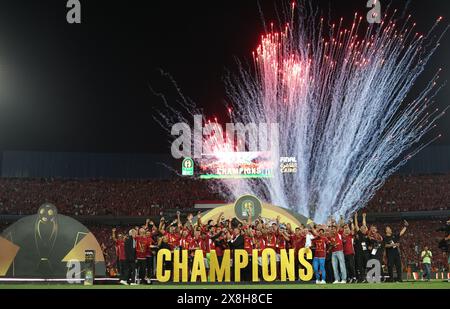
204, 245
282, 239
141, 254
120, 250
249, 241
260, 242
337, 255
173, 238
349, 252
195, 243
297, 242
185, 239
320, 243
212, 233
271, 238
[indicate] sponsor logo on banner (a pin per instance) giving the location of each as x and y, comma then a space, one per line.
288, 165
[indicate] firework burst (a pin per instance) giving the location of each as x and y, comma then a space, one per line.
340, 97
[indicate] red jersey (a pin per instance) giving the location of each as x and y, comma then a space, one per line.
337, 242
281, 243
184, 242
298, 242
260, 245
204, 230
212, 245
173, 239
248, 244
271, 241
120, 249
348, 245
195, 244
204, 245
320, 243
141, 247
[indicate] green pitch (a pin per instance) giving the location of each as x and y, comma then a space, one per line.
404, 285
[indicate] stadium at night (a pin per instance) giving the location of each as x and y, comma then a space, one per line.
255, 146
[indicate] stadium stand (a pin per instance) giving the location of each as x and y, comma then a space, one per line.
148, 198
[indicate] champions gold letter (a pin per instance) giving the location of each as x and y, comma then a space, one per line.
163, 255
218, 272
255, 273
198, 267
269, 259
180, 265
287, 265
240, 262
308, 267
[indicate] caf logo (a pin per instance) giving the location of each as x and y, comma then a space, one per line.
246, 206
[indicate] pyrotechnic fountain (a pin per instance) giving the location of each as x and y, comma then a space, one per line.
340, 97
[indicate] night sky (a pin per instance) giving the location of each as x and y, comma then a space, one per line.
86, 87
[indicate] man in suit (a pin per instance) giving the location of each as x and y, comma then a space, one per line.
128, 275
235, 242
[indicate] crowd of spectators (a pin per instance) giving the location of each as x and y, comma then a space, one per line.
101, 197
412, 193
148, 197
